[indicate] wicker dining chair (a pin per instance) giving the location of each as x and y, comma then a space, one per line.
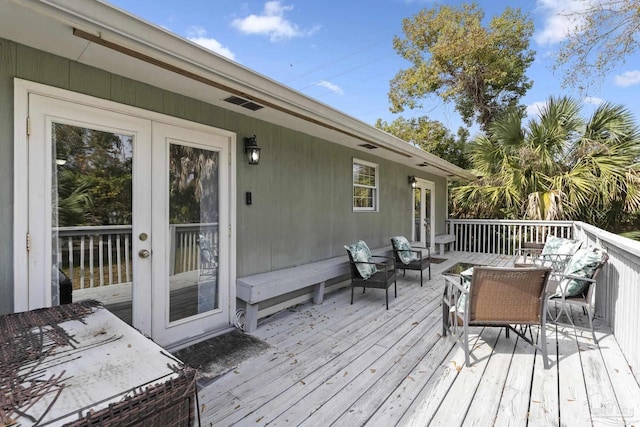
513, 298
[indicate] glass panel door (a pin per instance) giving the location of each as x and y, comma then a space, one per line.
423, 213
427, 217
191, 185
92, 173
89, 200
132, 212
417, 215
193, 227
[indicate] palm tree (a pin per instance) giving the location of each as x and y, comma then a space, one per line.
558, 166
72, 201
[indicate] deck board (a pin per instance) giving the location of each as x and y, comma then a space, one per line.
514, 402
543, 404
341, 364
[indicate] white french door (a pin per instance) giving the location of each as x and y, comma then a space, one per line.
76, 155
191, 236
423, 212
132, 211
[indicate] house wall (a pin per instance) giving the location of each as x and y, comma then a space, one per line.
301, 190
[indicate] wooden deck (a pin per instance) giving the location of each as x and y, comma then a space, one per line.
351, 365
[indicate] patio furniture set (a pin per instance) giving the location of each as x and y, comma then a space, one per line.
379, 272
559, 274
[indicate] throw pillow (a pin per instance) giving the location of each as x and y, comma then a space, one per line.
560, 246
361, 254
406, 255
582, 264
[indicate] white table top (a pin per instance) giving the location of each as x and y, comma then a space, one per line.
105, 360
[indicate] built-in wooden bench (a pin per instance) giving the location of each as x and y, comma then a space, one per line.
442, 240
259, 288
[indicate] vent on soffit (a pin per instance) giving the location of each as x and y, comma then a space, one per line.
368, 146
243, 103
424, 164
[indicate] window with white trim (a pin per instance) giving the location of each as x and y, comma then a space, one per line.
365, 186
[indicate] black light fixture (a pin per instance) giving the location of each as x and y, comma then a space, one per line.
413, 181
252, 150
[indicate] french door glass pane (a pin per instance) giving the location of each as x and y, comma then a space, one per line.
416, 214
427, 219
194, 231
91, 217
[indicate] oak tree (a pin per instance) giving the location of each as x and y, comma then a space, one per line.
454, 56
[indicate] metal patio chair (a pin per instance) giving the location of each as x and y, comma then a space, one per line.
513, 298
556, 252
408, 258
208, 258
367, 273
576, 286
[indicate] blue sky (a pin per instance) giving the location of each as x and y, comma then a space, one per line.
341, 53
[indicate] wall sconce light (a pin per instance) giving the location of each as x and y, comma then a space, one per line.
252, 150
413, 181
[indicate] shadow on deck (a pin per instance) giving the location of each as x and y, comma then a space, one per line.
352, 365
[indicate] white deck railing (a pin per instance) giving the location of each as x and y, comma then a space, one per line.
503, 237
95, 256
100, 256
618, 291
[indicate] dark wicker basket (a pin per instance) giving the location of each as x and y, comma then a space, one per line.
171, 403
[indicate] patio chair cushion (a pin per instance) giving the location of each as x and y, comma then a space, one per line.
361, 254
405, 253
582, 264
465, 278
560, 246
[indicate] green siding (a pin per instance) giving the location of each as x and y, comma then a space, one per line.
89, 80
7, 71
301, 189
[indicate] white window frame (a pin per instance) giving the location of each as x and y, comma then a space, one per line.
376, 187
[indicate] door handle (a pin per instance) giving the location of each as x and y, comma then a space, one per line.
144, 253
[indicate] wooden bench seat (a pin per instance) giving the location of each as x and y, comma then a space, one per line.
260, 287
442, 240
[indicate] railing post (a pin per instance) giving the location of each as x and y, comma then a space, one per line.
172, 249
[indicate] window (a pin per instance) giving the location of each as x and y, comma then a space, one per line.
365, 186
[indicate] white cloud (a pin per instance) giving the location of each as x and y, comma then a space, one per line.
332, 87
272, 23
560, 19
198, 35
592, 100
535, 109
628, 78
